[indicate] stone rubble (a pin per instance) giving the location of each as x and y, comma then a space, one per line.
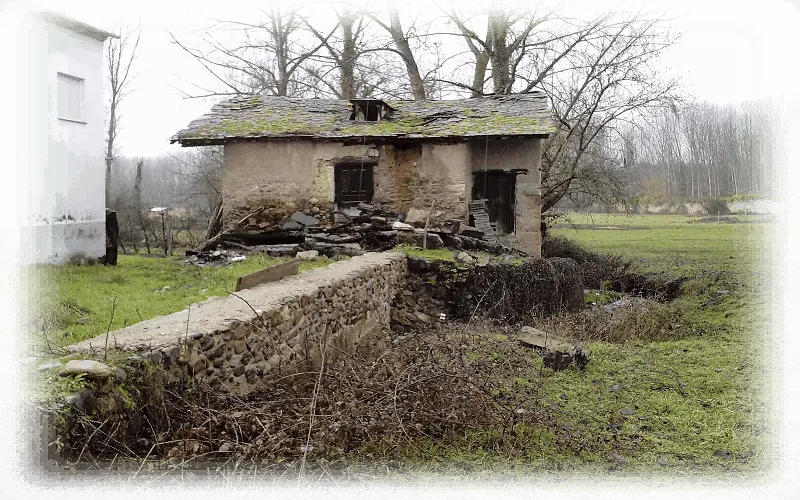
558, 353
372, 229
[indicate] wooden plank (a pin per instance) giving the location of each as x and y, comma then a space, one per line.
241, 222
272, 273
208, 243
480, 216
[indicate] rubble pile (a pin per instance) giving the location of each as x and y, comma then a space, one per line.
367, 229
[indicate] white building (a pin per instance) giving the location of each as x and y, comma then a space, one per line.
58, 90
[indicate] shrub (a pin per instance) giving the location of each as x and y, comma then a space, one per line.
633, 320
611, 272
595, 267
715, 206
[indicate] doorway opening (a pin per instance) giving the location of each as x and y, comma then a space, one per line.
498, 188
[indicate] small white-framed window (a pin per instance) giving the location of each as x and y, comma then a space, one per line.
70, 97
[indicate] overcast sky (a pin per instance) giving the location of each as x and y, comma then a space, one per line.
728, 52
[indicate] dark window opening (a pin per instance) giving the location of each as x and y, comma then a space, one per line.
498, 189
369, 110
353, 184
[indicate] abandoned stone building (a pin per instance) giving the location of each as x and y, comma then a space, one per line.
329, 155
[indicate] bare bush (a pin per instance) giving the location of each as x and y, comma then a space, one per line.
627, 320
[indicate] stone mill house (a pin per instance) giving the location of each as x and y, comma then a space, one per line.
330, 155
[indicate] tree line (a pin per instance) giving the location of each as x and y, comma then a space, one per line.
188, 183
707, 150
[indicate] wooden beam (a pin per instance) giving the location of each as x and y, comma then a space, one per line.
272, 273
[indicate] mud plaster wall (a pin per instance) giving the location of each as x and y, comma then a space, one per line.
413, 176
514, 153
300, 175
290, 175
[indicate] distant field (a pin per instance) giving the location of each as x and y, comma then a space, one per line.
674, 240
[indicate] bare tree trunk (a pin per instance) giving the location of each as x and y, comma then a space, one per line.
401, 42
481, 64
500, 54
119, 58
137, 200
137, 187
166, 233
112, 132
347, 79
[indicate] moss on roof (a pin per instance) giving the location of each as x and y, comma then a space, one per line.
283, 117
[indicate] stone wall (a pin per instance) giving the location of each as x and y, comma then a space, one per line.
510, 290
410, 177
282, 327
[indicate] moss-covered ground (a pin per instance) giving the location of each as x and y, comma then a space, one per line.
689, 406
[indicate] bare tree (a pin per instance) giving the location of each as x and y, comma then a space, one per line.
597, 73
266, 58
519, 45
120, 54
420, 84
349, 69
606, 82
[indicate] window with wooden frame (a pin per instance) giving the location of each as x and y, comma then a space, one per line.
353, 184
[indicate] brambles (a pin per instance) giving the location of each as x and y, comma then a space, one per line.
612, 272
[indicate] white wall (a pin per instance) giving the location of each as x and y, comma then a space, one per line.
61, 199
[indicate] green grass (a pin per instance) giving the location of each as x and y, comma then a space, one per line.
692, 396
438, 254
76, 302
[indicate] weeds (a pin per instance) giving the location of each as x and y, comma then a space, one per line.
612, 272
426, 388
633, 320
64, 312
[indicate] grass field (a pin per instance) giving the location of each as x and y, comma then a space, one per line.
75, 302
698, 400
695, 403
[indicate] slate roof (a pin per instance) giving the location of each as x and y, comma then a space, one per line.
260, 117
